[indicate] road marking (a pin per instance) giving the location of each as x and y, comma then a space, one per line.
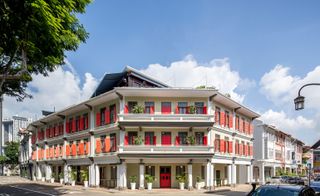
25, 189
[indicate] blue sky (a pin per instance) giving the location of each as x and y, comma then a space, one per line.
249, 37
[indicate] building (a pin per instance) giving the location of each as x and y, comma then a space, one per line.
134, 125
25, 152
275, 152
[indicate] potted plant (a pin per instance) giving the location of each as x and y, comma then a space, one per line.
181, 179
43, 179
52, 178
198, 182
138, 109
133, 180
138, 140
85, 177
190, 140
149, 179
192, 109
73, 177
61, 177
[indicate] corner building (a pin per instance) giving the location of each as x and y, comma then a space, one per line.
135, 125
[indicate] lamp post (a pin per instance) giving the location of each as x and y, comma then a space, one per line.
299, 101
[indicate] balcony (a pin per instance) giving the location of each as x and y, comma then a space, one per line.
136, 149
166, 119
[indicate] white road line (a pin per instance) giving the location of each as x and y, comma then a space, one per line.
25, 189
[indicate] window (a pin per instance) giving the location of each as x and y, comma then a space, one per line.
182, 107
165, 107
217, 143
226, 147
112, 116
113, 142
149, 138
183, 137
217, 116
237, 122
149, 107
199, 138
150, 170
199, 107
70, 124
227, 119
86, 121
102, 116
237, 147
180, 170
131, 136
113, 172
102, 139
131, 105
77, 123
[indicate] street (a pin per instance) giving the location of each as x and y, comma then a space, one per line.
16, 186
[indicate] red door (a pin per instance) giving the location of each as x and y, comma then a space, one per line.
165, 177
166, 138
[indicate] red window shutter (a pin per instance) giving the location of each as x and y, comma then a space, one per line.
107, 144
87, 148
81, 123
205, 110
222, 121
251, 150
177, 143
98, 123
222, 146
126, 109
241, 125
98, 145
205, 140
177, 110
230, 120
216, 116
126, 140
74, 150
81, 148
154, 140
147, 140
241, 149
107, 116
237, 148
67, 127
151, 109
230, 147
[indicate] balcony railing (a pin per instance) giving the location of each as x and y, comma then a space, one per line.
164, 149
166, 117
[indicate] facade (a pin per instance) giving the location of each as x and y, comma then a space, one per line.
134, 125
25, 151
275, 152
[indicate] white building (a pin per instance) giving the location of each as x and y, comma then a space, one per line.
274, 152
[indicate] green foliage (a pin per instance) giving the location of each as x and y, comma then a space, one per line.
61, 175
73, 174
192, 109
190, 140
3, 159
138, 140
34, 36
11, 152
84, 175
181, 178
148, 178
133, 179
199, 179
138, 109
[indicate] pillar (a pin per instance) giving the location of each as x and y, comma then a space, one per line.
122, 176
190, 185
141, 176
97, 175
249, 173
229, 174
48, 171
209, 175
233, 175
66, 173
38, 171
274, 171
262, 178
92, 180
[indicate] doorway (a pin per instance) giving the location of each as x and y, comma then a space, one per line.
165, 177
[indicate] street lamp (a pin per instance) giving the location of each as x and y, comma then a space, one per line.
299, 101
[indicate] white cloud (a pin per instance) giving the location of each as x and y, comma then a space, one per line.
190, 73
281, 88
299, 127
60, 89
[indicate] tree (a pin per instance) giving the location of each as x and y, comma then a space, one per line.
34, 36
11, 152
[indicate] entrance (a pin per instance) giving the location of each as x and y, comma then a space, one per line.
165, 177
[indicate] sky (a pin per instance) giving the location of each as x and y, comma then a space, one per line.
260, 52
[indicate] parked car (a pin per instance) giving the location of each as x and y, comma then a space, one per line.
275, 180
295, 180
281, 190
315, 185
284, 179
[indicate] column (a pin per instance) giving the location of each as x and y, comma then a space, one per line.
208, 175
213, 179
38, 172
92, 180
66, 172
97, 175
229, 174
48, 172
190, 185
141, 176
274, 171
122, 176
121, 140
249, 173
261, 169
234, 175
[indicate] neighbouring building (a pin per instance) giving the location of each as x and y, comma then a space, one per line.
25, 151
307, 158
275, 152
315, 148
134, 125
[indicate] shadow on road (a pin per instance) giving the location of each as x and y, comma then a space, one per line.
35, 187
